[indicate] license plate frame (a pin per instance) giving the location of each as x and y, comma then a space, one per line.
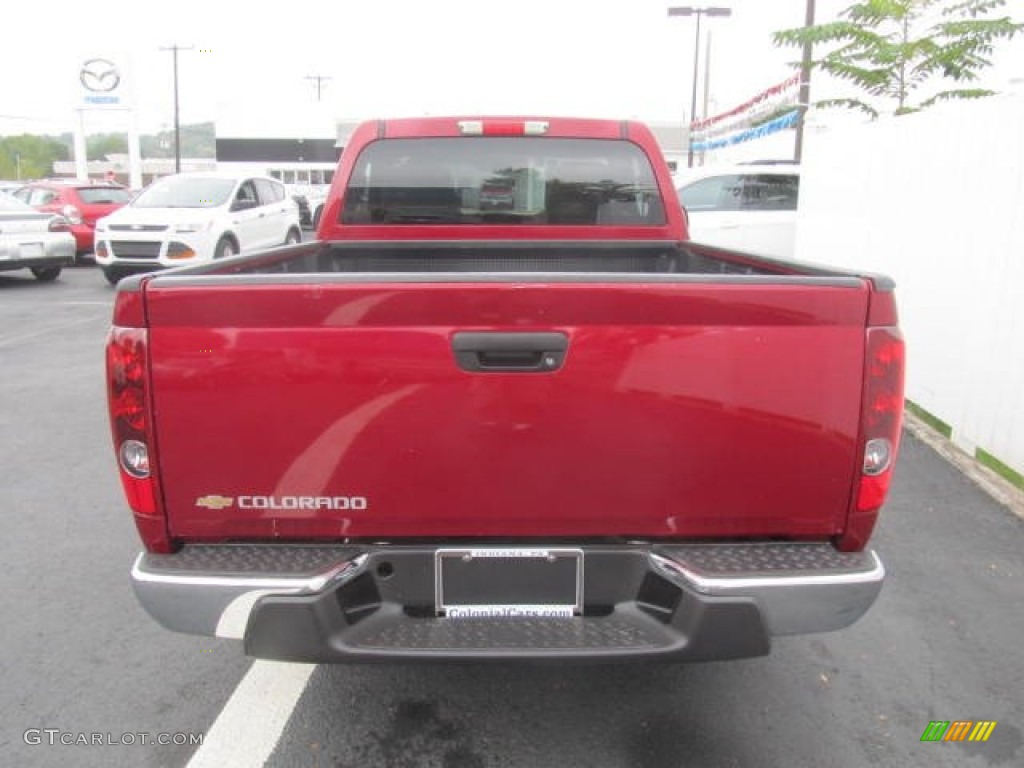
508, 582
31, 250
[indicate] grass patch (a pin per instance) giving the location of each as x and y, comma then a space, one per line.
1007, 473
932, 421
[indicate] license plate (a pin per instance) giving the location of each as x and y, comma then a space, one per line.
508, 583
31, 250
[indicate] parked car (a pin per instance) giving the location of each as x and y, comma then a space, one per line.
31, 239
748, 208
193, 217
82, 203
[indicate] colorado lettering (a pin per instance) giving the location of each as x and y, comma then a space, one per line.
303, 502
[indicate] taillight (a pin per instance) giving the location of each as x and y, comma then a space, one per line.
59, 224
72, 214
881, 421
127, 391
127, 371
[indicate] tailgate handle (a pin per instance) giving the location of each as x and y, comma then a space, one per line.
502, 351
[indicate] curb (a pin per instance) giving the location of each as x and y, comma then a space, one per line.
1000, 489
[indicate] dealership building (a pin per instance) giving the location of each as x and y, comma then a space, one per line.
299, 145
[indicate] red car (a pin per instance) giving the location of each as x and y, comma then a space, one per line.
82, 203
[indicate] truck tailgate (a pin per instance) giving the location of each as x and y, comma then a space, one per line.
681, 407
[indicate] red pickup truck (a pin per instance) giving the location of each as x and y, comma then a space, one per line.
502, 408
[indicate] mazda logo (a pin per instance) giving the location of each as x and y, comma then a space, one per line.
99, 75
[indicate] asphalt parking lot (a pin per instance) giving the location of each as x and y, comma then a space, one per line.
944, 641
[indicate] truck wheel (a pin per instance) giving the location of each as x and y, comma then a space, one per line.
113, 274
316, 216
225, 248
45, 274
293, 237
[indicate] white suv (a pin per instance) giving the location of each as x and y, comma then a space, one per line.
748, 208
192, 217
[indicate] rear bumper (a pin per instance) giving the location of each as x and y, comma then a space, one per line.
332, 604
41, 262
58, 250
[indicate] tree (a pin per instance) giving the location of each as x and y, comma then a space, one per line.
100, 145
891, 49
29, 157
197, 140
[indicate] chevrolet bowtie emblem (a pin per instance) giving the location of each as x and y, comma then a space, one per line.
214, 502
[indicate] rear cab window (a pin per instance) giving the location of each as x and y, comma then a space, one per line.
103, 195
503, 180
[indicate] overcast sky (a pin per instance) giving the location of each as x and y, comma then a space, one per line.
601, 58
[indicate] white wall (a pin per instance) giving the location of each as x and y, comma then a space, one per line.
936, 200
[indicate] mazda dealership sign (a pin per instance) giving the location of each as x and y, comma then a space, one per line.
102, 82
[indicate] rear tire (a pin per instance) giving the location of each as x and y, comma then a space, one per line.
294, 237
225, 249
316, 216
45, 274
113, 274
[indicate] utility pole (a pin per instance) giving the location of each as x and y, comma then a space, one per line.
177, 127
707, 84
319, 79
805, 85
688, 10
693, 96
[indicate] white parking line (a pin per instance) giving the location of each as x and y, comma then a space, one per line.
5, 340
249, 726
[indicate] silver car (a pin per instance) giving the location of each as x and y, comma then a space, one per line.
35, 240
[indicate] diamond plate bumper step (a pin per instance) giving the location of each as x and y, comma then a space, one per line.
377, 603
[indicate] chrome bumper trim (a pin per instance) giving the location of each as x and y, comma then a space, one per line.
800, 603
219, 605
